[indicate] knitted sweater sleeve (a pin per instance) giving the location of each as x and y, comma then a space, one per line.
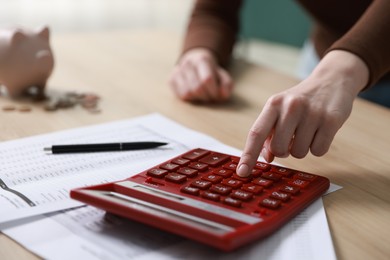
369, 39
214, 25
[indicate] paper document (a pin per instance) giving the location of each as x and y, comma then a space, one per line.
37, 183
33, 182
90, 233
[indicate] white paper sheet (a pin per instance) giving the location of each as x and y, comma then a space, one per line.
90, 233
33, 182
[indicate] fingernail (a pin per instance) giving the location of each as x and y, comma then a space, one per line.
242, 170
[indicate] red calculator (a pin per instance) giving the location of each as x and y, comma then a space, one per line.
199, 196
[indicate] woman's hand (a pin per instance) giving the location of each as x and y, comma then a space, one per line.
198, 77
307, 116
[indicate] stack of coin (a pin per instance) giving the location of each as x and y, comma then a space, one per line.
56, 100
88, 101
8, 108
22, 108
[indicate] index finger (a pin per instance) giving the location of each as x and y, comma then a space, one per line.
258, 133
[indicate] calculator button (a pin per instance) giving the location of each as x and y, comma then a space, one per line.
271, 176
290, 189
190, 190
235, 159
221, 189
214, 159
235, 184
156, 172
256, 172
262, 166
282, 171
211, 196
181, 161
280, 196
230, 166
150, 180
232, 202
255, 189
242, 195
212, 178
188, 172
175, 177
304, 176
270, 203
203, 185
223, 172
263, 182
195, 154
243, 179
299, 183
170, 166
198, 166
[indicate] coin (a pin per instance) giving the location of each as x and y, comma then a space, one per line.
24, 109
62, 100
9, 108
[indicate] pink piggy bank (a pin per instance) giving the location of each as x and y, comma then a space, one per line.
26, 60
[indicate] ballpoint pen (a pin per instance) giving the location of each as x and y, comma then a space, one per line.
102, 147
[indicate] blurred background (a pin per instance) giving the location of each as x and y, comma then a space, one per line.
272, 31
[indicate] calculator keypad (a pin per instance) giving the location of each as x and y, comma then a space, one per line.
210, 176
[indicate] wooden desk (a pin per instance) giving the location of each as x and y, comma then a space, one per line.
129, 71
